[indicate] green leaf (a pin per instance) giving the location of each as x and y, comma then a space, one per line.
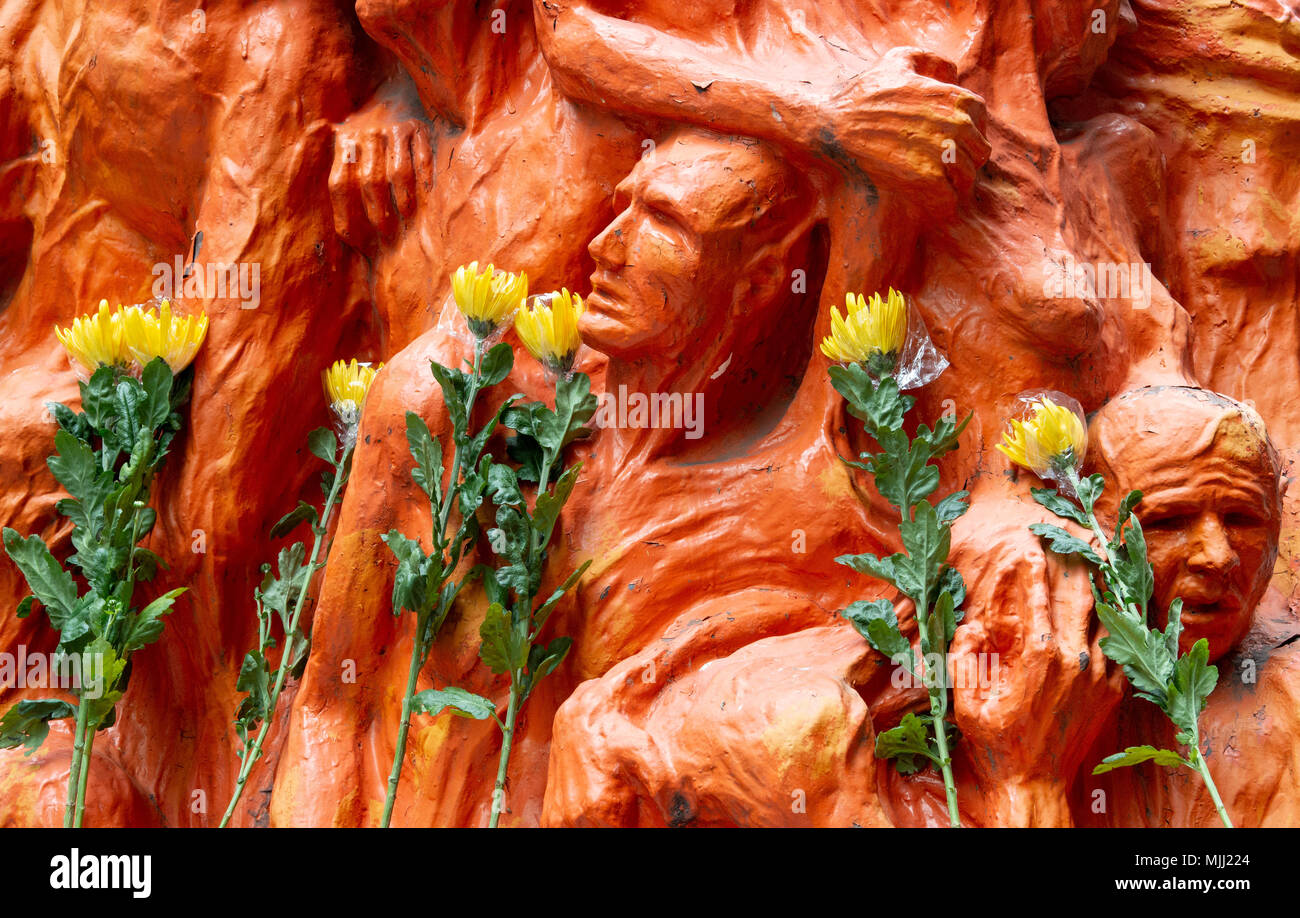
110, 666
280, 592
902, 473
457, 700
410, 582
503, 486
907, 744
427, 453
27, 723
944, 611
549, 503
878, 623
1131, 500
544, 610
950, 581
254, 682
927, 543
455, 390
1090, 489
74, 422
323, 444
288, 522
1059, 504
1174, 629
894, 570
880, 408
542, 661
952, 507
157, 381
1063, 543
76, 467
46, 578
943, 439
1131, 568
504, 645
1140, 650
574, 406
496, 364
147, 626
1136, 755
1194, 679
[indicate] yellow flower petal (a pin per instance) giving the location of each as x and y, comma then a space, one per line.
347, 384
1051, 439
548, 327
151, 334
872, 330
487, 298
95, 340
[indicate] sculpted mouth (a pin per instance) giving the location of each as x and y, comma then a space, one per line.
607, 289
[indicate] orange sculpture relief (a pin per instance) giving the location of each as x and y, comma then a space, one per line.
1090, 198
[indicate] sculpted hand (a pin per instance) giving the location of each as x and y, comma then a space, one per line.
380, 168
908, 127
1048, 693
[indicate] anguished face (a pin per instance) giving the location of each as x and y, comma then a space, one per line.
1211, 503
670, 267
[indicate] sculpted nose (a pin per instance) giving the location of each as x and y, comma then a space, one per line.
609, 247
1211, 552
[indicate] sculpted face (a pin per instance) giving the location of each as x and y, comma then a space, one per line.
678, 259
1210, 506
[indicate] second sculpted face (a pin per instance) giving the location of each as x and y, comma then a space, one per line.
1210, 508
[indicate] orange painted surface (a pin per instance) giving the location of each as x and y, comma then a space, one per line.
682, 165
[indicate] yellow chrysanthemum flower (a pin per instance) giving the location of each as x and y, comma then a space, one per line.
1052, 440
152, 334
487, 298
346, 384
96, 340
548, 327
872, 332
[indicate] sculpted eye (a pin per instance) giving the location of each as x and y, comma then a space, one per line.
1166, 522
1244, 520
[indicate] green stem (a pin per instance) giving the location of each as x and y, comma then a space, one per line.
419, 650
84, 777
938, 697
74, 772
1204, 769
507, 739
399, 756
254, 751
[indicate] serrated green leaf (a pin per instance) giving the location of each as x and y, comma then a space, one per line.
146, 626
1063, 543
878, 623
427, 453
1136, 755
456, 700
907, 744
1059, 504
287, 523
1193, 681
1140, 650
27, 723
46, 578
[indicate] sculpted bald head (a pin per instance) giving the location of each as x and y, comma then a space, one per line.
1211, 506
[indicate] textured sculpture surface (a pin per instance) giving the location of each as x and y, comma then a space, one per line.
1090, 197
